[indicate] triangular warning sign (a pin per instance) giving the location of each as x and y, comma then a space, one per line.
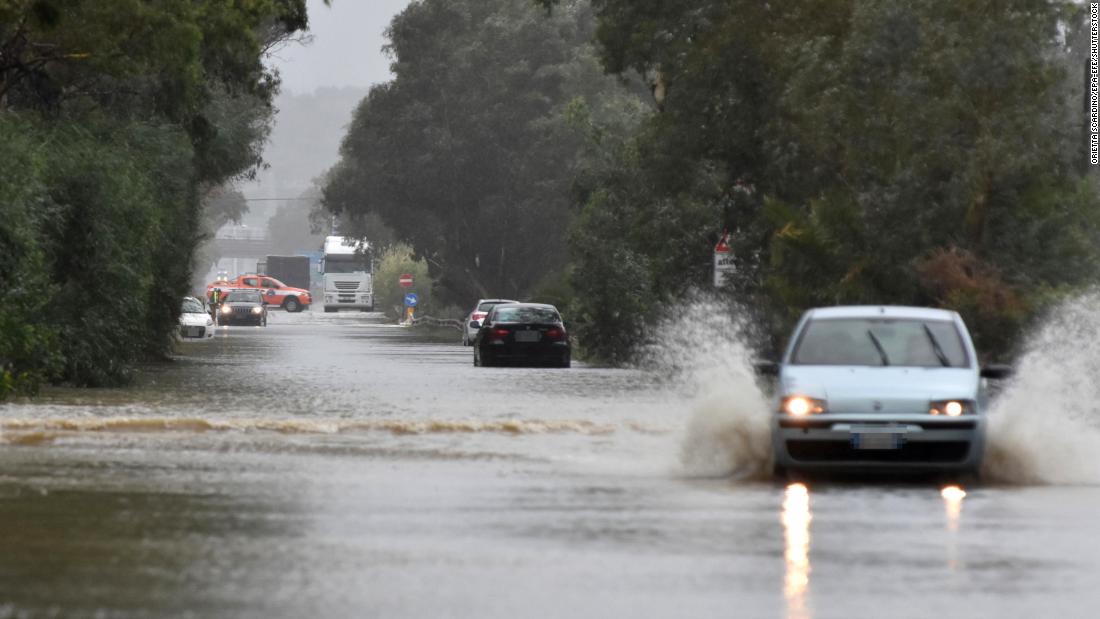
723, 246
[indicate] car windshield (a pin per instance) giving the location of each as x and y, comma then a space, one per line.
526, 314
488, 305
243, 296
881, 341
191, 306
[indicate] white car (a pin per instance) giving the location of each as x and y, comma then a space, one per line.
195, 321
866, 388
473, 321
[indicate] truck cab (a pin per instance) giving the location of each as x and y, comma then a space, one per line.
348, 274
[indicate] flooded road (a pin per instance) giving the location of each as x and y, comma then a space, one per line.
334, 466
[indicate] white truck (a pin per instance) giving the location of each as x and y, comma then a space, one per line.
347, 270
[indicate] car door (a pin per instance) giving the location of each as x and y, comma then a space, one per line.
271, 291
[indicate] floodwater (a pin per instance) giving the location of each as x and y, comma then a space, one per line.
334, 466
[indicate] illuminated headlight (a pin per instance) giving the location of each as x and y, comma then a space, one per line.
227, 310
800, 406
257, 310
951, 408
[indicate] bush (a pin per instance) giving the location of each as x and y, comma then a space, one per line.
389, 296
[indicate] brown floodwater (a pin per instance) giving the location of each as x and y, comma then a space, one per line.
334, 466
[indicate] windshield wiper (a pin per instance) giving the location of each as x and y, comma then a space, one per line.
878, 345
936, 346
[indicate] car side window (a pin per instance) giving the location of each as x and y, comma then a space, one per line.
251, 281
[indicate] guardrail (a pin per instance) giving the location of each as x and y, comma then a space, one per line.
431, 321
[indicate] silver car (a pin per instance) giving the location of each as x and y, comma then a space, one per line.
865, 388
472, 323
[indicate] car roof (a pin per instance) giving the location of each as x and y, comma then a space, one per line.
518, 304
881, 311
480, 301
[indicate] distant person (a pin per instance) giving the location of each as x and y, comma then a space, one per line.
216, 299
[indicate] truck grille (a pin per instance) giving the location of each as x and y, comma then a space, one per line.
346, 285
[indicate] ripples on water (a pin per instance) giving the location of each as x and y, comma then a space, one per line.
698, 383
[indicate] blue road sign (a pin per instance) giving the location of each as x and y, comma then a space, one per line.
411, 299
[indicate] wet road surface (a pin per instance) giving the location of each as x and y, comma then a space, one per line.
334, 466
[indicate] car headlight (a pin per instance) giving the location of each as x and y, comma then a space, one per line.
227, 310
258, 310
951, 408
801, 406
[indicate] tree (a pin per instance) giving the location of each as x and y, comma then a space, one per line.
862, 152
465, 154
118, 117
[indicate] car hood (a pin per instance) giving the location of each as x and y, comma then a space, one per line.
242, 304
861, 389
195, 320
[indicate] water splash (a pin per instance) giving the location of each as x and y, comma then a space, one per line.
702, 352
1045, 426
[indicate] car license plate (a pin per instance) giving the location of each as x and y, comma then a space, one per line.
877, 440
528, 336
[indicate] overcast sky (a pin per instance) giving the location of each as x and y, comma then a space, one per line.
346, 49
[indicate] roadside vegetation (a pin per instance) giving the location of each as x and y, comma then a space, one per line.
118, 119
930, 153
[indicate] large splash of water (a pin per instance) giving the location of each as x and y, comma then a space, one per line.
702, 352
1045, 426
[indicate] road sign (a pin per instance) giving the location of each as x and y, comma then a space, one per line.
411, 299
406, 280
723, 260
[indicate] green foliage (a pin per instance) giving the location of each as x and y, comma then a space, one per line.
862, 152
389, 296
467, 154
116, 117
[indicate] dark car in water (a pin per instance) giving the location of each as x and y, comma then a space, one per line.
528, 333
243, 307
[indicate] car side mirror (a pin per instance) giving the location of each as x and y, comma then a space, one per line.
766, 368
996, 371
475, 324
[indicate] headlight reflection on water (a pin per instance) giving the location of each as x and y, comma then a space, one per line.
952, 505
796, 528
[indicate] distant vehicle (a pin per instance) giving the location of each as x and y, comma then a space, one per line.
348, 274
294, 270
195, 321
274, 291
223, 276
473, 321
243, 307
866, 388
522, 333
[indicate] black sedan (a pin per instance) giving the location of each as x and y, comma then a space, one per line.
530, 333
243, 307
